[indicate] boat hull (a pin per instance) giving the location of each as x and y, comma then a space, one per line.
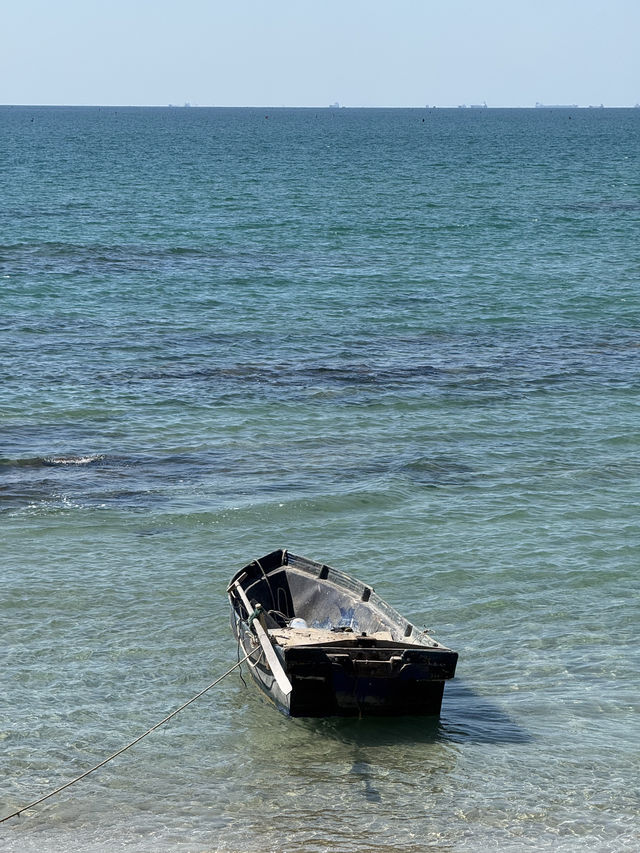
338, 670
346, 683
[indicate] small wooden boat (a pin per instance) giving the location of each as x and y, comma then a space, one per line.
324, 644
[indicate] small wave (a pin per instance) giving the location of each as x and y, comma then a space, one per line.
73, 460
7, 465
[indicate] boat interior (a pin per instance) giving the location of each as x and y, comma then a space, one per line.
307, 602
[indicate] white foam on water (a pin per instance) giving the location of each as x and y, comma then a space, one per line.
74, 460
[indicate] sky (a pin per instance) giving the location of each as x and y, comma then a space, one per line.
395, 53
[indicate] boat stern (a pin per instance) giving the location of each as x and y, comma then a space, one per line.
375, 681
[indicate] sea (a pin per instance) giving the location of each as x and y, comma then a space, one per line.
402, 342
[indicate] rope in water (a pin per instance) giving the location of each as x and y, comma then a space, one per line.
133, 742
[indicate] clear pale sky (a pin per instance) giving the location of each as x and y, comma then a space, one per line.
315, 52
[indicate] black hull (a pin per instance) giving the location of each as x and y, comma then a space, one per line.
343, 684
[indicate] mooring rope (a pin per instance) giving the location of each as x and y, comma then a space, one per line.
133, 742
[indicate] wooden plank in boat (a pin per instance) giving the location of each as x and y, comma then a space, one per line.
316, 636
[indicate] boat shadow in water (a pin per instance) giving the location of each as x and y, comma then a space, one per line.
370, 752
466, 717
363, 772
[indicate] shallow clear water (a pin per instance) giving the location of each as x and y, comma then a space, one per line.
406, 343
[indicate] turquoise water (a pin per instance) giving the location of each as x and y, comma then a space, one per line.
405, 343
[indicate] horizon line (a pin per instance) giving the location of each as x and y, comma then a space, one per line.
333, 107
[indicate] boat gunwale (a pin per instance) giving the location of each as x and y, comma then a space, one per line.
282, 559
